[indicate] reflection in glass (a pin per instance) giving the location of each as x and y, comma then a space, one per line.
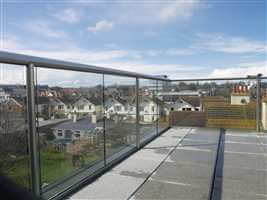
120, 112
14, 158
70, 122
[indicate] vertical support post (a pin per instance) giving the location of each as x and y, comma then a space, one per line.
258, 104
137, 113
104, 120
33, 138
158, 113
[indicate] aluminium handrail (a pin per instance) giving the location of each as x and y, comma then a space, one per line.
20, 59
216, 79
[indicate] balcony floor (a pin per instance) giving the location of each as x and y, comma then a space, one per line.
180, 163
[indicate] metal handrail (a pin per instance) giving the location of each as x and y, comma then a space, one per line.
217, 79
20, 59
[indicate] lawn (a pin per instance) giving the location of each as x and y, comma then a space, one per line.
54, 165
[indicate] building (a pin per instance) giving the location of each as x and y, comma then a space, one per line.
187, 103
240, 95
4, 95
84, 105
116, 105
81, 129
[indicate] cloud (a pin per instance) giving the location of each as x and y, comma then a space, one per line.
153, 53
175, 9
160, 11
103, 25
68, 15
233, 45
240, 70
44, 28
180, 52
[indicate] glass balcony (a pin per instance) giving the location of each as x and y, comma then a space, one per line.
143, 136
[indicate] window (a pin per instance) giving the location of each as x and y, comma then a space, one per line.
188, 109
72, 107
90, 107
142, 108
60, 107
68, 107
77, 131
81, 107
59, 133
183, 109
68, 133
153, 118
118, 108
153, 108
196, 109
77, 135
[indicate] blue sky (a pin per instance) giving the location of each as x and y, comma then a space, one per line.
182, 39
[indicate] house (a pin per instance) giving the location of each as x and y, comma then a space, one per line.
87, 106
186, 103
49, 107
116, 105
240, 95
4, 95
16, 105
150, 109
80, 129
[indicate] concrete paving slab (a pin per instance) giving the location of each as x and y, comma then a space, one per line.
162, 142
249, 148
136, 168
199, 144
248, 187
198, 175
109, 186
242, 139
153, 190
247, 161
192, 156
236, 195
156, 155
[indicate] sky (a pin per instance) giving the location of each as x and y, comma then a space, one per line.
179, 38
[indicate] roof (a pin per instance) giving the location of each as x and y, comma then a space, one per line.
68, 99
83, 124
19, 100
91, 99
42, 100
194, 101
95, 101
120, 100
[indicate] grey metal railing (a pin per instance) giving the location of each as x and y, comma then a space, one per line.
31, 62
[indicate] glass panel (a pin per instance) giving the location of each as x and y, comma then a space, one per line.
163, 107
148, 108
223, 104
14, 157
120, 112
70, 123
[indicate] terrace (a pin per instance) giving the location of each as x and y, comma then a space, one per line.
148, 147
